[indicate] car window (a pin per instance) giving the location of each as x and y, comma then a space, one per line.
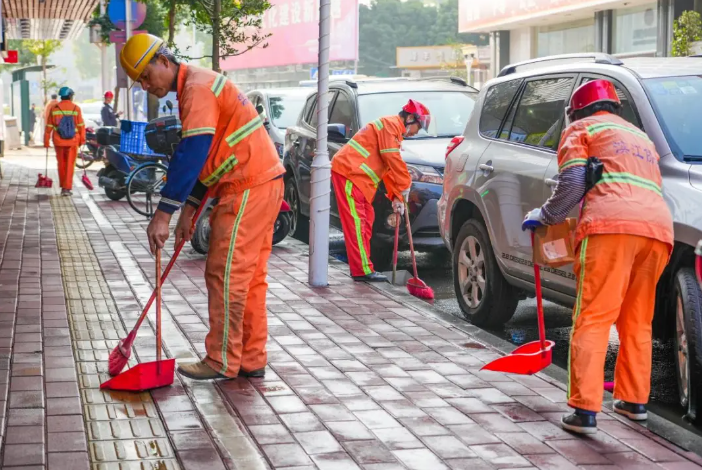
312, 119
449, 110
309, 108
285, 109
628, 111
540, 113
342, 113
495, 107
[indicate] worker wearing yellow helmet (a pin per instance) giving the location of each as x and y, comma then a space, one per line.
224, 148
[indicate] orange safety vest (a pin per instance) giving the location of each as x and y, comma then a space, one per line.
242, 154
55, 114
628, 199
374, 155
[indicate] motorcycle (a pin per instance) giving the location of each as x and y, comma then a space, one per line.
114, 177
95, 143
200, 240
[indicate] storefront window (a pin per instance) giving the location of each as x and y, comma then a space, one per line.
635, 29
567, 38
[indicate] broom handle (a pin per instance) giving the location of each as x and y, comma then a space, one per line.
539, 300
170, 264
158, 304
409, 235
397, 239
46, 170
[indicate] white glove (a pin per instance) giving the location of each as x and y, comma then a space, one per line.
405, 194
398, 207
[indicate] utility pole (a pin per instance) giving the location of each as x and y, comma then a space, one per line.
128, 34
104, 73
321, 168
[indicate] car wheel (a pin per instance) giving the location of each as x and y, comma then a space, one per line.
485, 297
115, 194
688, 341
381, 255
200, 240
299, 224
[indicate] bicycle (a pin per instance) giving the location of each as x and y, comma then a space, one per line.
144, 186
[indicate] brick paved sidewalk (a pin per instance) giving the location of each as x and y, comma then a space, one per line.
358, 377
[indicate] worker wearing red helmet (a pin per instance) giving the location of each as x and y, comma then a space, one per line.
624, 238
372, 156
109, 117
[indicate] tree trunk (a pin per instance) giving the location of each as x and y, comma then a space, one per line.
43, 75
116, 108
215, 35
171, 23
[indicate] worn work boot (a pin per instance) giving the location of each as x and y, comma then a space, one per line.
200, 371
633, 411
580, 423
256, 374
372, 277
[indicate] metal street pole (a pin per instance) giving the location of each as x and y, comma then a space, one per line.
128, 34
321, 168
104, 73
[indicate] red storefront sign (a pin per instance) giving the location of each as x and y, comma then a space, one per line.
294, 28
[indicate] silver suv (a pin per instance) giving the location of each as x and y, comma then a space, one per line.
505, 165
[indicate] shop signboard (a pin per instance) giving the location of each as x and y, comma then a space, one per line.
429, 57
294, 29
485, 16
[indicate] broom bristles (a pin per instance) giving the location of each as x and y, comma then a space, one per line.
117, 359
420, 290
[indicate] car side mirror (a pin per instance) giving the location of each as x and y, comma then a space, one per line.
169, 105
337, 133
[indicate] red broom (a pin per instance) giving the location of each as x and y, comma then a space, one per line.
44, 181
86, 181
416, 286
119, 357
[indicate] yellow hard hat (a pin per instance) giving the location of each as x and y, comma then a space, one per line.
137, 53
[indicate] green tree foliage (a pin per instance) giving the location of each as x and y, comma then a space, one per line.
87, 56
388, 24
153, 22
686, 30
43, 49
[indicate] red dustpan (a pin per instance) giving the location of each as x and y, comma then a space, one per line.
533, 357
147, 375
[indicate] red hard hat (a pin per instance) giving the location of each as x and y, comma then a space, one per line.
109, 95
420, 112
591, 93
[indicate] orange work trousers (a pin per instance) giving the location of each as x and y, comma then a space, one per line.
66, 158
617, 276
241, 238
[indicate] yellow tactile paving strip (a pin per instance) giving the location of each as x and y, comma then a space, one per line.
124, 429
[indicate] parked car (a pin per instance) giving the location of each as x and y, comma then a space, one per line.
352, 105
505, 164
91, 113
279, 108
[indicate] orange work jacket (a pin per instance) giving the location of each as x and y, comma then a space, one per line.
372, 156
628, 199
56, 113
242, 155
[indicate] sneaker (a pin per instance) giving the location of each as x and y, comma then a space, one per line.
200, 371
580, 423
632, 411
256, 374
64, 192
372, 277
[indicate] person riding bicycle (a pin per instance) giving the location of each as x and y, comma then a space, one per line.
624, 238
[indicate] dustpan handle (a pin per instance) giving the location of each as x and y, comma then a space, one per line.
539, 300
158, 304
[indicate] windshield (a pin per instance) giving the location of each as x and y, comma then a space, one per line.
677, 102
91, 108
285, 109
450, 110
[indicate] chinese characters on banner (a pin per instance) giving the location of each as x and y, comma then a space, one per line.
294, 29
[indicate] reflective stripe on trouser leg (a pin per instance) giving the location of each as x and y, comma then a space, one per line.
604, 268
239, 223
632, 375
351, 210
254, 355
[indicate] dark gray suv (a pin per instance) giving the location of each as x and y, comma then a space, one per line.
505, 164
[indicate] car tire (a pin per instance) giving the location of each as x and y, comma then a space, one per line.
281, 228
688, 342
496, 300
299, 224
115, 194
381, 255
200, 240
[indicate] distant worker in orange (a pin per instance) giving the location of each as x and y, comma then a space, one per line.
47, 109
372, 156
624, 237
65, 123
225, 148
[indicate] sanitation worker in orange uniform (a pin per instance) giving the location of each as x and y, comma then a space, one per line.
624, 237
65, 124
372, 156
225, 148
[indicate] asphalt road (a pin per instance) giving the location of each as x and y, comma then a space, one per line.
435, 270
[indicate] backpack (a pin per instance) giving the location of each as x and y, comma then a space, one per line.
67, 126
